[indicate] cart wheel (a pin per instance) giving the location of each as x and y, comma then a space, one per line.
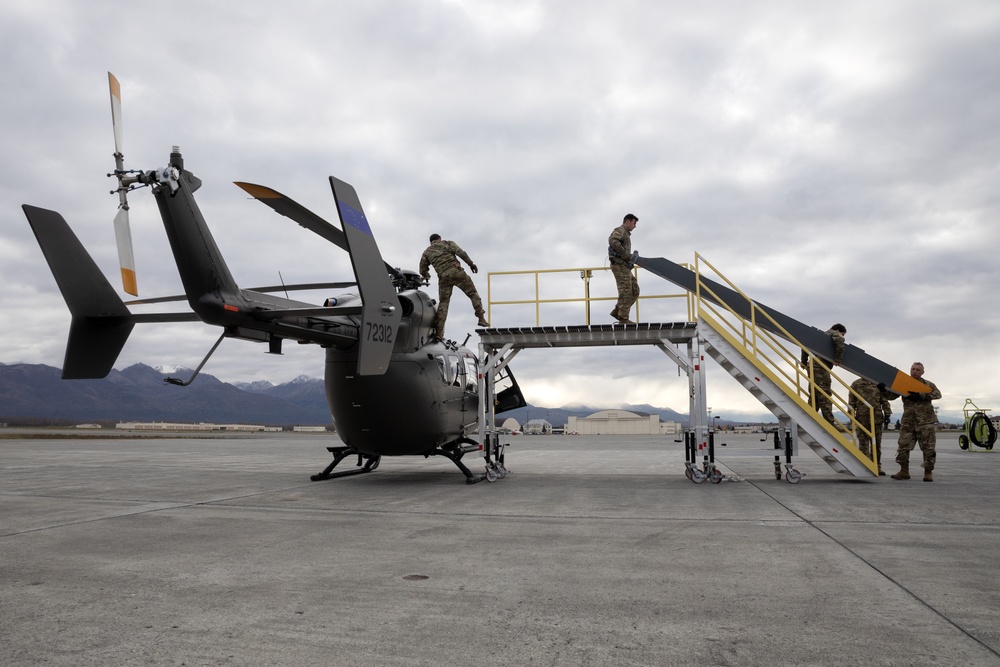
697, 476
793, 476
963, 441
491, 475
715, 477
687, 472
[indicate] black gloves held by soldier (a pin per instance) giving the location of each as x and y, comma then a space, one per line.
885, 421
475, 269
881, 386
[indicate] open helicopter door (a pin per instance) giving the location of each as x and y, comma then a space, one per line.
380, 314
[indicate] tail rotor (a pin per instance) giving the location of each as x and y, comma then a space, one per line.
123, 234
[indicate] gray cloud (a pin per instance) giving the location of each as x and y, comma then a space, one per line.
838, 163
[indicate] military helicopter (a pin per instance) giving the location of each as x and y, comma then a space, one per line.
381, 355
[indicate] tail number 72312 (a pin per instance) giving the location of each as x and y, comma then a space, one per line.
378, 333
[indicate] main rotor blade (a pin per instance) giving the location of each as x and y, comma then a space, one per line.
266, 288
300, 214
116, 111
123, 235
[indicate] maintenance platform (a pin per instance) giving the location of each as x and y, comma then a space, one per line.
758, 345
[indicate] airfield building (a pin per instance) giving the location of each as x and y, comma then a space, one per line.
620, 422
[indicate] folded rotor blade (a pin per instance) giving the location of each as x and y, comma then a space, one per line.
300, 214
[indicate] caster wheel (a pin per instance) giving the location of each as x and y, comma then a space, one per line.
793, 476
715, 477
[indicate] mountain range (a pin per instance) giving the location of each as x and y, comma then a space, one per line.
36, 394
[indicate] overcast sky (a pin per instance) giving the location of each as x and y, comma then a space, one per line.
837, 161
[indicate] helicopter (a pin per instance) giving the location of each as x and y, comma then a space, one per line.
381, 352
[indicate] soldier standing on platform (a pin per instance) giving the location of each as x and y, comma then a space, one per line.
620, 256
443, 256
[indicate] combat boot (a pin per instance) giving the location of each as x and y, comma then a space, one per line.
904, 473
928, 476
482, 320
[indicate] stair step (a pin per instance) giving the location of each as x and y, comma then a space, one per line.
781, 401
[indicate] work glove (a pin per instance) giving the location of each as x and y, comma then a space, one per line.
475, 269
881, 386
885, 421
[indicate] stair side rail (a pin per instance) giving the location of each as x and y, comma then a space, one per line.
772, 356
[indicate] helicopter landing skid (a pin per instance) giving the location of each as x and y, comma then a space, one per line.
365, 464
455, 457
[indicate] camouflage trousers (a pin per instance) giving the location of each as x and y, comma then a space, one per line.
628, 289
865, 441
447, 281
821, 401
909, 436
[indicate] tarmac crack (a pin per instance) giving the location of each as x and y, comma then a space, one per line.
922, 602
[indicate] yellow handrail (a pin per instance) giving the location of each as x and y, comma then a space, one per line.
780, 361
774, 356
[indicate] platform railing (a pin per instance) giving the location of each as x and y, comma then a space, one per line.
777, 356
586, 299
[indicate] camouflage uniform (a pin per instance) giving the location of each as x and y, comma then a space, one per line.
918, 425
443, 256
620, 256
872, 396
821, 376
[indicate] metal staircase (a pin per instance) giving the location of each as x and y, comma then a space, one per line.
748, 342
838, 450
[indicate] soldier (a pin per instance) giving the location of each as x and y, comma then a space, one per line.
620, 256
443, 255
872, 395
820, 397
918, 425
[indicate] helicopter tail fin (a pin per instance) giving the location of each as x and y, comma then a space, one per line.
381, 314
101, 322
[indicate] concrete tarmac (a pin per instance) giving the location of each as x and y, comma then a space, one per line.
593, 551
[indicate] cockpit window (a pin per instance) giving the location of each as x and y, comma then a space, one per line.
457, 371
471, 375
447, 374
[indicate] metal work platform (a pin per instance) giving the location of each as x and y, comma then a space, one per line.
647, 333
498, 346
758, 346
